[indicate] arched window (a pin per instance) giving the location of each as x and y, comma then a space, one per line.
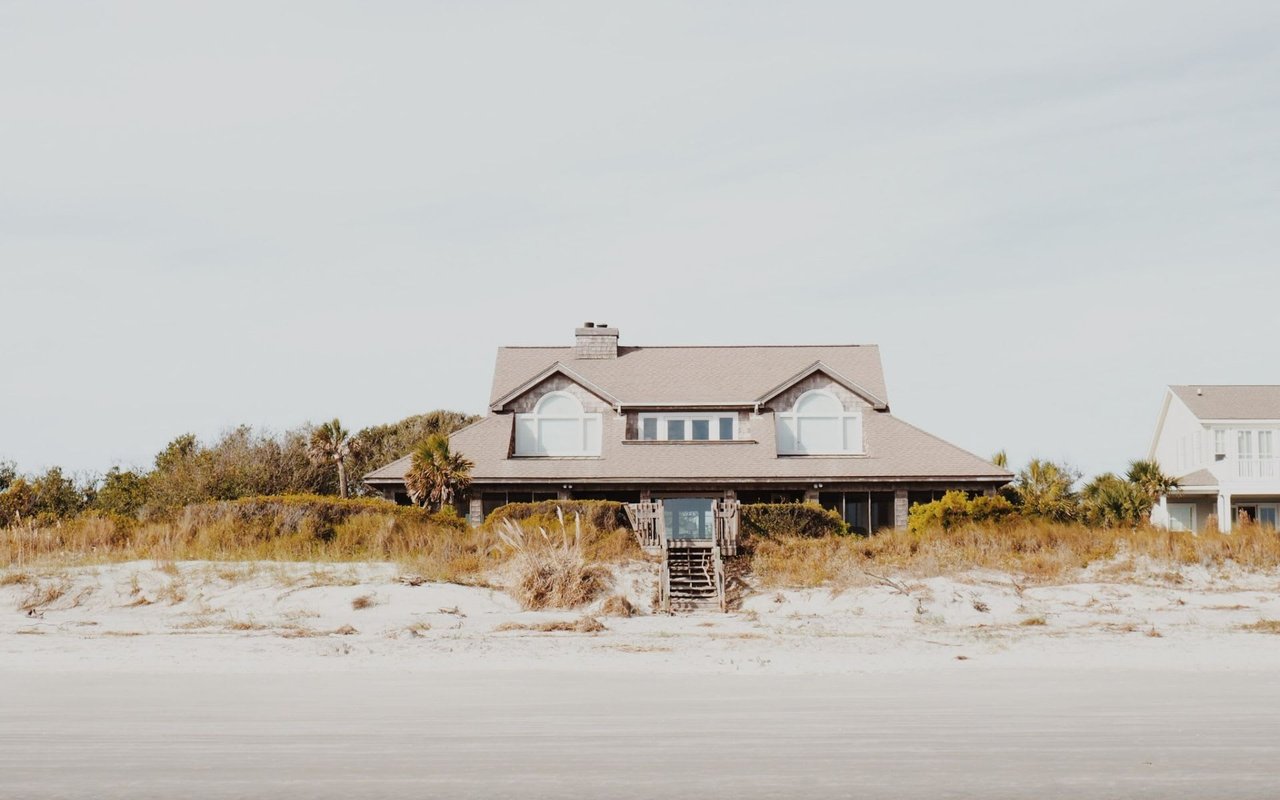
558, 426
819, 425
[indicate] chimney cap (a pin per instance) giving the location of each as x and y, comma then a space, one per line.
601, 324
588, 324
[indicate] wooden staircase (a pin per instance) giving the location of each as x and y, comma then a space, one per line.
692, 578
693, 575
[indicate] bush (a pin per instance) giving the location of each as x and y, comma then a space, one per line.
805, 520
602, 515
300, 528
550, 573
955, 509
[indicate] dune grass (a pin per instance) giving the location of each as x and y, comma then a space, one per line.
433, 547
551, 570
1038, 551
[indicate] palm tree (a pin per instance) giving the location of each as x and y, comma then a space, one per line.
1110, 500
1001, 459
437, 474
1148, 475
1045, 489
330, 443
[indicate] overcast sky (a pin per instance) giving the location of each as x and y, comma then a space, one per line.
272, 213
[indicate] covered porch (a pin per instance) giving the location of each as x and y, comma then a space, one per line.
1193, 511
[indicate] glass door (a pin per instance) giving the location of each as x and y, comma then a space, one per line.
1267, 516
688, 517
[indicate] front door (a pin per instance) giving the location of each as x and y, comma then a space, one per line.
688, 517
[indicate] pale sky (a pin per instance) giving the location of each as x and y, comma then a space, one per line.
265, 213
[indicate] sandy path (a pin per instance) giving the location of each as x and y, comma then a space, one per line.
986, 733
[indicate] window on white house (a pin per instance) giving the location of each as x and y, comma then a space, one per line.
1219, 444
819, 425
558, 426
679, 427
1265, 450
1182, 517
1244, 444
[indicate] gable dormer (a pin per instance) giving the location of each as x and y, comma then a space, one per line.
557, 417
821, 413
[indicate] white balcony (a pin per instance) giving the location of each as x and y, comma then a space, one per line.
1257, 468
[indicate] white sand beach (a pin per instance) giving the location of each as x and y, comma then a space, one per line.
266, 680
144, 616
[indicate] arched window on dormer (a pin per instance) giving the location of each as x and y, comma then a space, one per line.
818, 424
558, 426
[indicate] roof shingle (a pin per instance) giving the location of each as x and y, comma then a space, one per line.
1230, 402
695, 375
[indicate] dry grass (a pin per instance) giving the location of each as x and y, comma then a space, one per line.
173, 592
551, 571
16, 578
44, 594
244, 625
1034, 621
616, 605
271, 529
579, 625
1039, 551
1263, 626
364, 601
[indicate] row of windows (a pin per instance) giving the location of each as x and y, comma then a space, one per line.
687, 427
817, 424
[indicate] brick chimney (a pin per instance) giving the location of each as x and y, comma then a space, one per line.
595, 340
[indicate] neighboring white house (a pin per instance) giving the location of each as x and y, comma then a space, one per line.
1222, 443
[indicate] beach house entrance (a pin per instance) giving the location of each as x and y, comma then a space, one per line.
692, 534
689, 518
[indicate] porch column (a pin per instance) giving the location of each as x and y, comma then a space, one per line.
1165, 522
475, 510
1225, 522
900, 509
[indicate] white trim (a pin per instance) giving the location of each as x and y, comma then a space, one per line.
531, 443
792, 419
819, 366
555, 368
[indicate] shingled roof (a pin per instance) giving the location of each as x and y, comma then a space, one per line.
718, 377
1230, 402
694, 375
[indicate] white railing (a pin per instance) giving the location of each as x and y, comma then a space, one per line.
1257, 467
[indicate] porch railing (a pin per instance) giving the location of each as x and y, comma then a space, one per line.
1257, 468
646, 521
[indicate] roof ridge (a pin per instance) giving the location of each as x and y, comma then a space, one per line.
688, 346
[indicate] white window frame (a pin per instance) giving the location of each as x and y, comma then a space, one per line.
587, 421
712, 419
1219, 444
1194, 521
845, 415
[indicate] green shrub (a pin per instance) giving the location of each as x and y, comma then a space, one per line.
805, 520
954, 509
602, 515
